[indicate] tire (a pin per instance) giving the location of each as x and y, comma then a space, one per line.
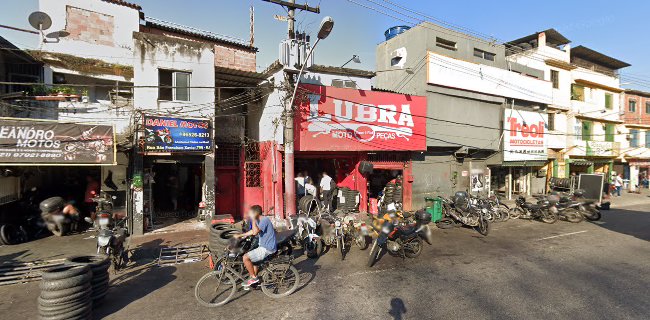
339, 247
416, 244
64, 272
573, 216
290, 273
374, 254
50, 295
227, 281
84, 310
446, 223
517, 212
549, 217
592, 214
63, 307
226, 235
504, 212
64, 299
55, 285
361, 241
99, 278
315, 249
11, 234
217, 227
96, 262
483, 226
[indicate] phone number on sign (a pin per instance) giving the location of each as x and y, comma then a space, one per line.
195, 134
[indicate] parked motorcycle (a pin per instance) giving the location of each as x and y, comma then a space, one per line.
469, 211
543, 210
56, 221
567, 209
111, 234
337, 231
400, 240
589, 209
311, 241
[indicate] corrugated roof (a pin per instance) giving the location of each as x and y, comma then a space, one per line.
552, 37
597, 57
638, 93
125, 4
341, 71
198, 33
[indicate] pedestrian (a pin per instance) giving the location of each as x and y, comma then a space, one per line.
310, 188
618, 184
92, 190
300, 185
326, 190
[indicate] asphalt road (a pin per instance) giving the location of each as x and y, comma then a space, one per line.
522, 270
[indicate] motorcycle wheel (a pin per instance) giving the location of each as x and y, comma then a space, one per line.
374, 254
340, 247
361, 241
413, 248
573, 216
504, 213
592, 214
215, 289
10, 234
517, 212
483, 226
549, 217
313, 248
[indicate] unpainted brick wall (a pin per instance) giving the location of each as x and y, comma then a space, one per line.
89, 26
234, 58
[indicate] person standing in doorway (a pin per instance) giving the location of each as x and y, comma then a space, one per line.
618, 184
326, 190
310, 188
92, 190
300, 185
173, 188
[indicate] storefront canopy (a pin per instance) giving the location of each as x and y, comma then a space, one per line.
524, 163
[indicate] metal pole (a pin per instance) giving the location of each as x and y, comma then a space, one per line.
289, 174
292, 19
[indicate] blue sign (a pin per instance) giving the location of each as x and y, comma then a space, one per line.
168, 134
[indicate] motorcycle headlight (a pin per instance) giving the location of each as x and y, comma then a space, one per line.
103, 222
386, 229
337, 223
484, 210
103, 241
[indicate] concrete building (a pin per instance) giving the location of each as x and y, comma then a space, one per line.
472, 91
634, 161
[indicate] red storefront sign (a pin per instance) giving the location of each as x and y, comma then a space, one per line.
337, 119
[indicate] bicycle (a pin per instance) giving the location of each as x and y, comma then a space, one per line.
278, 277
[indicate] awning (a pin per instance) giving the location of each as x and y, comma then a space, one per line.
581, 162
539, 163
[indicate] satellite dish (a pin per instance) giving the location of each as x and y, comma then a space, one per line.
57, 34
40, 20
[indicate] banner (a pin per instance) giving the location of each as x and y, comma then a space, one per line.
48, 142
336, 119
169, 134
525, 136
600, 148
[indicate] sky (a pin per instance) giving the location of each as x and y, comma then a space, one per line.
613, 28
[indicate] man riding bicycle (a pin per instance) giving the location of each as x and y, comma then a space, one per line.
260, 226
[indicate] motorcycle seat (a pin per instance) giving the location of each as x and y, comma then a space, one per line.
407, 229
285, 236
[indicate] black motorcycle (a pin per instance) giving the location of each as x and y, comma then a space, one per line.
543, 210
400, 240
463, 209
111, 234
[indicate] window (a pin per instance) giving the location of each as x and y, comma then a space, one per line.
174, 85
609, 101
609, 132
634, 138
339, 83
647, 107
586, 130
484, 54
577, 92
555, 79
550, 124
631, 105
444, 43
578, 130
647, 139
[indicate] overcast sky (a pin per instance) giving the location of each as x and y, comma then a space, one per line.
616, 28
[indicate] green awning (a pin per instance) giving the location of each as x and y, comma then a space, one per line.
539, 163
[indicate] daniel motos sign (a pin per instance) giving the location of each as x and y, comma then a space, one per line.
337, 119
524, 136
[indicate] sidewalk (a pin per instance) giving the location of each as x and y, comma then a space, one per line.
626, 199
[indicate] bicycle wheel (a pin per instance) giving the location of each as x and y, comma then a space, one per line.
279, 280
215, 289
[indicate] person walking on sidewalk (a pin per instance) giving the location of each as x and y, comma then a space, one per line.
618, 184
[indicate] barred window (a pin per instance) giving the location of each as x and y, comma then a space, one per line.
253, 174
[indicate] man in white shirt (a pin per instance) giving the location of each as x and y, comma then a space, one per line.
618, 183
326, 190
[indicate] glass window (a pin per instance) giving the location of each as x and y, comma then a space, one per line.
634, 138
555, 79
551, 122
647, 139
182, 86
484, 54
609, 132
577, 92
578, 130
586, 130
647, 107
165, 84
609, 101
444, 43
632, 105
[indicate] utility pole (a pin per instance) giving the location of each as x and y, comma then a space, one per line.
289, 174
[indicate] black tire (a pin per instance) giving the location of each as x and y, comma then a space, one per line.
64, 272
517, 212
63, 307
101, 278
12, 234
83, 310
94, 261
314, 249
49, 295
504, 212
361, 241
593, 214
339, 247
226, 235
573, 216
55, 285
483, 226
374, 254
269, 284
215, 228
65, 299
229, 283
414, 248
549, 217
446, 223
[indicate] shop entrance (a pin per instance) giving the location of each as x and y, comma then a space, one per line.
340, 168
387, 185
174, 191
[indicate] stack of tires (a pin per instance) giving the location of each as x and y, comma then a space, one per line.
306, 205
220, 235
99, 266
348, 200
66, 293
